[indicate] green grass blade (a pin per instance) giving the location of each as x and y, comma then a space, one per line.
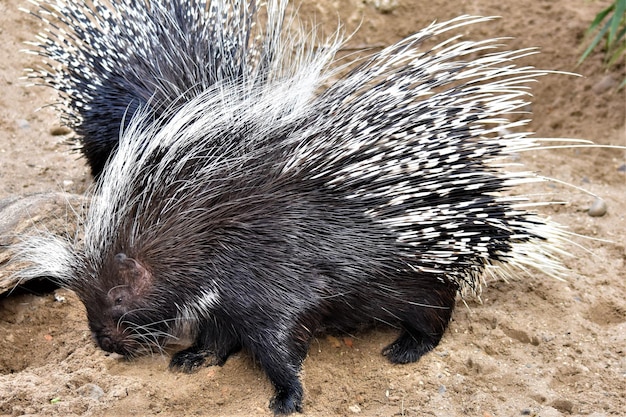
616, 55
594, 43
599, 18
620, 7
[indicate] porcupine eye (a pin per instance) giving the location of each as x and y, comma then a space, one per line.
118, 298
118, 301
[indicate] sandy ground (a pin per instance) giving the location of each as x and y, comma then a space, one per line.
535, 346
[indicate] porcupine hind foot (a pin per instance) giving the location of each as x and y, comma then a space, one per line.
411, 345
423, 326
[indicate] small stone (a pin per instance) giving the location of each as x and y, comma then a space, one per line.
563, 406
59, 297
606, 83
550, 412
60, 131
621, 168
22, 124
598, 208
354, 409
90, 391
385, 6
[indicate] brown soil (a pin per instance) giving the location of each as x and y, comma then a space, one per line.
535, 346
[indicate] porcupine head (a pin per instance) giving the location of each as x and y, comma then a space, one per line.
128, 285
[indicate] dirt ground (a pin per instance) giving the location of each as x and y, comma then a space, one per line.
535, 346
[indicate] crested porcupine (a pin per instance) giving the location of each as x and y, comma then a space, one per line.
375, 201
108, 59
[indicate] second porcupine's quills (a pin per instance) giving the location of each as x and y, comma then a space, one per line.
107, 60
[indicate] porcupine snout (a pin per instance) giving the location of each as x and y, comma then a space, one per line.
109, 343
118, 317
109, 334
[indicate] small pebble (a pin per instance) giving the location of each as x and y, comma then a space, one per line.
598, 208
442, 353
385, 6
621, 168
563, 406
91, 391
60, 131
606, 83
22, 124
354, 409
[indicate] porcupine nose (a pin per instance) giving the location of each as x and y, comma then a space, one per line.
106, 344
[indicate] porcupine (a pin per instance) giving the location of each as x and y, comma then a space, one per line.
107, 60
376, 201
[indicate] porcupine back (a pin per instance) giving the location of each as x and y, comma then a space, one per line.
108, 59
375, 201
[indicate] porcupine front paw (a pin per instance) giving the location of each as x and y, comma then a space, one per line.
189, 360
